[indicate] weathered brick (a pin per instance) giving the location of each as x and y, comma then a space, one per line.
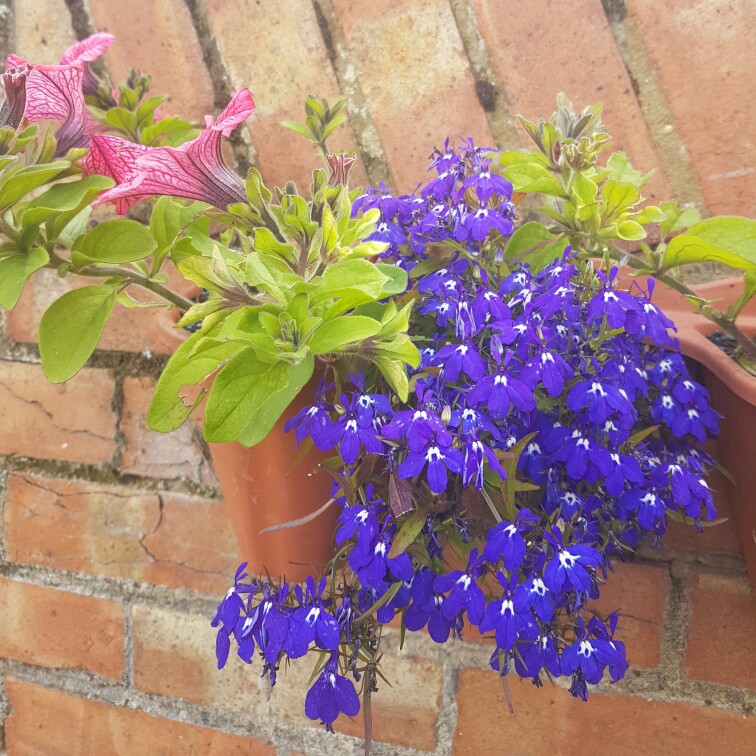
169, 539
44, 721
282, 72
158, 455
416, 78
71, 421
704, 55
404, 713
538, 52
43, 31
159, 39
54, 628
550, 720
721, 642
639, 595
149, 330
174, 655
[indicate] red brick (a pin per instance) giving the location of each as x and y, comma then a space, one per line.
291, 64
549, 720
183, 542
147, 330
44, 721
404, 713
721, 642
412, 67
43, 31
54, 628
638, 593
159, 39
72, 421
158, 455
705, 59
569, 47
174, 655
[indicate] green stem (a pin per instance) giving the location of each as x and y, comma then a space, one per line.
129, 276
746, 344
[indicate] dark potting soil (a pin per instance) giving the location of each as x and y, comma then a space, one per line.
728, 344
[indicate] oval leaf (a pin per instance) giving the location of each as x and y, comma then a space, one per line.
70, 329
118, 241
407, 534
342, 331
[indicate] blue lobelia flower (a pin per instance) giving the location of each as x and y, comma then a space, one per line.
569, 564
311, 623
438, 459
503, 616
427, 609
599, 400
330, 695
501, 390
536, 650
463, 591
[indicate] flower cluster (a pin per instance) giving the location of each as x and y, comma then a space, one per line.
552, 429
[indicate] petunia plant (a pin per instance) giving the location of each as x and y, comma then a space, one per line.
504, 416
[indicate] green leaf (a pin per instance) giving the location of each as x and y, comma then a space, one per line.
63, 200
351, 277
196, 359
398, 279
338, 333
618, 196
749, 290
70, 329
729, 232
532, 177
116, 241
15, 272
168, 219
729, 240
525, 239
676, 217
299, 128
15, 185
270, 411
75, 227
408, 533
630, 230
122, 119
239, 391
619, 169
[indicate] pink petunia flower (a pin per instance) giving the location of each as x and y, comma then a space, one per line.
194, 170
56, 93
116, 158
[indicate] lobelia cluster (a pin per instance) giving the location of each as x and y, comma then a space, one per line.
552, 429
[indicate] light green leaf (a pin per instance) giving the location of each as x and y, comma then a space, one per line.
70, 329
239, 391
338, 333
676, 217
64, 201
525, 239
398, 279
196, 359
749, 290
630, 230
19, 183
727, 240
15, 272
75, 227
270, 411
618, 196
116, 241
351, 277
532, 177
619, 169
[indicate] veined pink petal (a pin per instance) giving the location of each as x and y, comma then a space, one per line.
194, 170
14, 61
117, 158
53, 93
88, 49
239, 109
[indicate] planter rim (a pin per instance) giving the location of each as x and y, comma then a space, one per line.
693, 330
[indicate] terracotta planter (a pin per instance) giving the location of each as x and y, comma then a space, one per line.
268, 485
733, 393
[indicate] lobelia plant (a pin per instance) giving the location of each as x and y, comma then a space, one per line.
505, 420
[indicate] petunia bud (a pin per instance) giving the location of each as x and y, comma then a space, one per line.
14, 88
340, 167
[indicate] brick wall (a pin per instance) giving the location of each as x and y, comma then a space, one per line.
115, 544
